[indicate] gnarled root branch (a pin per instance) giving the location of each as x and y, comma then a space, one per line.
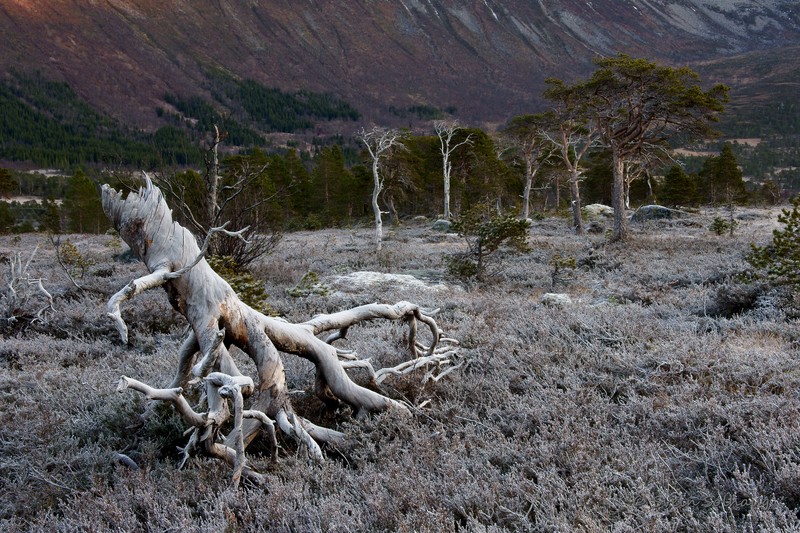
206, 427
407, 311
132, 289
435, 362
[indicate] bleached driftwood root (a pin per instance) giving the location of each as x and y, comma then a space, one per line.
220, 321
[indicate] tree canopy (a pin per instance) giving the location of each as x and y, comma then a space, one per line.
639, 106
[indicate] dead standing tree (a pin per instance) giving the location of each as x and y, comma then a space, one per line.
379, 143
219, 321
235, 193
446, 132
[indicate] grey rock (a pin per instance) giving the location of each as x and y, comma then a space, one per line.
655, 212
442, 225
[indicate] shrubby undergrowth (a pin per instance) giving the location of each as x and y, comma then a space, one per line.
663, 398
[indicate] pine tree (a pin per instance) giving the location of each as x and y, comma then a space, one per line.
723, 181
639, 105
8, 184
82, 205
51, 218
780, 261
679, 188
6, 218
331, 192
290, 177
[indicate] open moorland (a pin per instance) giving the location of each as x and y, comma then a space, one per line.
664, 396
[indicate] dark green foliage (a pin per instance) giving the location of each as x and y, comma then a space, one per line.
422, 112
82, 206
337, 195
45, 122
598, 179
249, 289
780, 116
426, 172
7, 219
36, 184
426, 112
769, 193
248, 199
562, 267
771, 156
721, 225
780, 261
679, 189
189, 192
479, 175
207, 117
485, 232
8, 183
309, 285
175, 147
275, 110
723, 181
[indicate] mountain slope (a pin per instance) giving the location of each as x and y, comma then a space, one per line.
486, 58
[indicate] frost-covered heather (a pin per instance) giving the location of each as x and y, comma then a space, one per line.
665, 397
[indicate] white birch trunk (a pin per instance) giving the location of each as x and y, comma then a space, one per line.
618, 196
376, 209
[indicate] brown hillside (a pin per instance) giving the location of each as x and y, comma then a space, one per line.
486, 58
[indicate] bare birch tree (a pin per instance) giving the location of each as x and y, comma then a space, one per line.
527, 133
573, 135
446, 131
379, 143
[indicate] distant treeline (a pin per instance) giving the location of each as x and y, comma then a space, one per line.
303, 190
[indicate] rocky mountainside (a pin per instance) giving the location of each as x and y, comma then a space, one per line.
487, 58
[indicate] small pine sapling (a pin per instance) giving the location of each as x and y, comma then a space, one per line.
721, 226
780, 261
561, 266
309, 284
485, 234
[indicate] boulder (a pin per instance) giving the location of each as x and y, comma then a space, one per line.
365, 280
595, 211
442, 225
553, 299
655, 212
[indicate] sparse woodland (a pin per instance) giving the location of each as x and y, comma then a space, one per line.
664, 397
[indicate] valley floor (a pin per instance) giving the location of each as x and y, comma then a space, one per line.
664, 397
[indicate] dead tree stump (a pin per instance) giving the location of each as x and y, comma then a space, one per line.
218, 321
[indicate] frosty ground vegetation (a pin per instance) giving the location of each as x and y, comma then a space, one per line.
664, 397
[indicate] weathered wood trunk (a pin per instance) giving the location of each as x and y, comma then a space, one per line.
219, 320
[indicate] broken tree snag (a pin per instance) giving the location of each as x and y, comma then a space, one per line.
219, 321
